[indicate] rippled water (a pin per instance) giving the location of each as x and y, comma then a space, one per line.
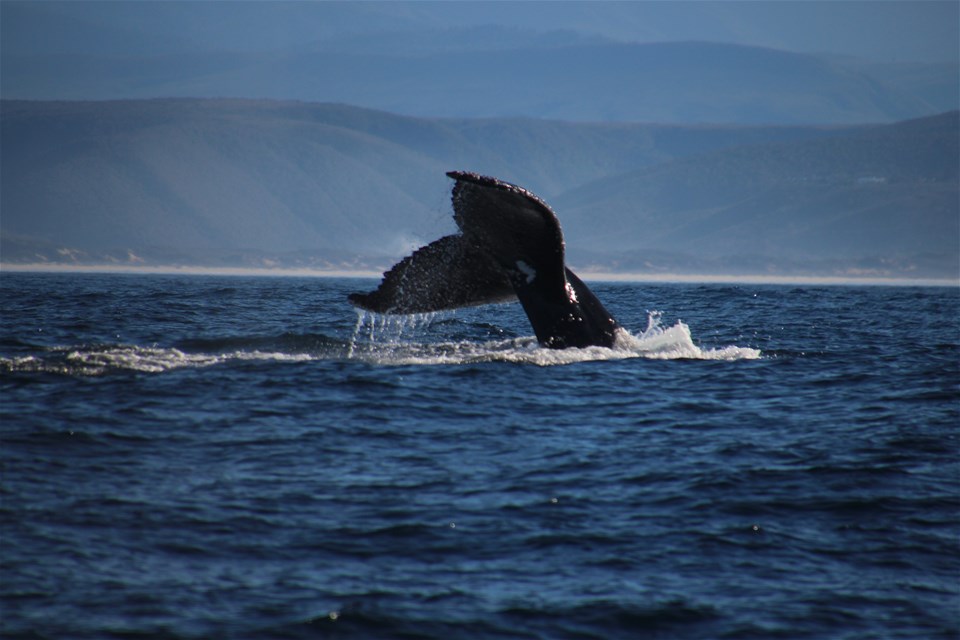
198, 457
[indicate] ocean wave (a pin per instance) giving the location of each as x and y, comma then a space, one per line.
97, 360
377, 340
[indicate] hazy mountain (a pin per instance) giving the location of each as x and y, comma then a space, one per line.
643, 62
205, 175
887, 195
937, 84
248, 182
556, 76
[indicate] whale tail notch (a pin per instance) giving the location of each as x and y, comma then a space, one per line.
510, 247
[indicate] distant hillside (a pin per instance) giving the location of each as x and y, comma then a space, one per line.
239, 182
887, 195
937, 84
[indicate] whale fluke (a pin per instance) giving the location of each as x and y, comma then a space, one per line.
510, 246
446, 274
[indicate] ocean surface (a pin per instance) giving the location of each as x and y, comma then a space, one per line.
247, 457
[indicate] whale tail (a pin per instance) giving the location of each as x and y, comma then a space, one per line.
510, 247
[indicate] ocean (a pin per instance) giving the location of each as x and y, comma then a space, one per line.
249, 457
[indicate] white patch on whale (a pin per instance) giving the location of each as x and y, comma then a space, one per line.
527, 270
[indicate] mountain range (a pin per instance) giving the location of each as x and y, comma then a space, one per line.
563, 77
696, 63
887, 195
283, 183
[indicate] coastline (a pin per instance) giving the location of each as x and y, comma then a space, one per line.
589, 276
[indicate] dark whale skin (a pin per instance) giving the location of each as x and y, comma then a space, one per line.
510, 246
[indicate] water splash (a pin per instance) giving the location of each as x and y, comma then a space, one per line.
374, 330
393, 340
674, 343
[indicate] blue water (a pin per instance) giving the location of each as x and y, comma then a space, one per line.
225, 457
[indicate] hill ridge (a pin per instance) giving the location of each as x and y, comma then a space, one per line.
252, 182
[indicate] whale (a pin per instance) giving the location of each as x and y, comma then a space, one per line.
508, 247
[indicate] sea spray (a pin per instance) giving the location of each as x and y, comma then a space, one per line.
674, 343
402, 340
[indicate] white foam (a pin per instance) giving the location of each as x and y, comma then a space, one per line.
386, 340
385, 343
98, 360
134, 358
676, 342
